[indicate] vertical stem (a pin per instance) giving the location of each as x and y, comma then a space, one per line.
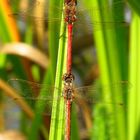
69, 53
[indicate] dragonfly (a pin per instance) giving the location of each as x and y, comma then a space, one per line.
74, 12
83, 20
75, 16
71, 14
29, 91
91, 94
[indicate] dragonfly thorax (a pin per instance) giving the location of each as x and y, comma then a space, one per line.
70, 11
68, 1
68, 93
68, 86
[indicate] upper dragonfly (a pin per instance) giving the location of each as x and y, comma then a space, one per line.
74, 12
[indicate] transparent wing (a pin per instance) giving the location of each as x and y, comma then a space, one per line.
103, 95
29, 89
89, 18
97, 101
83, 15
30, 92
36, 11
82, 95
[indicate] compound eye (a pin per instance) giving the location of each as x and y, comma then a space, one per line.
71, 79
66, 19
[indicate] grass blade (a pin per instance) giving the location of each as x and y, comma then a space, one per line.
133, 99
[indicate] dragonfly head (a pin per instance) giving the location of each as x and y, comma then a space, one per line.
68, 78
71, 1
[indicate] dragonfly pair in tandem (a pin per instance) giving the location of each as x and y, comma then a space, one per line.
71, 12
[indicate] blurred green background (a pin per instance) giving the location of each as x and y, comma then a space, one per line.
33, 47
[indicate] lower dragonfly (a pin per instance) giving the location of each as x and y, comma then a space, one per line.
87, 94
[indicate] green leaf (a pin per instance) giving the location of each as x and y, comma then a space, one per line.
58, 116
135, 5
134, 97
108, 54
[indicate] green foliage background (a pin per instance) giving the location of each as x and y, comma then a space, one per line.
117, 59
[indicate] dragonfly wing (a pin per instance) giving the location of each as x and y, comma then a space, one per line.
90, 17
91, 100
10, 106
25, 6
32, 92
32, 89
36, 11
103, 94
